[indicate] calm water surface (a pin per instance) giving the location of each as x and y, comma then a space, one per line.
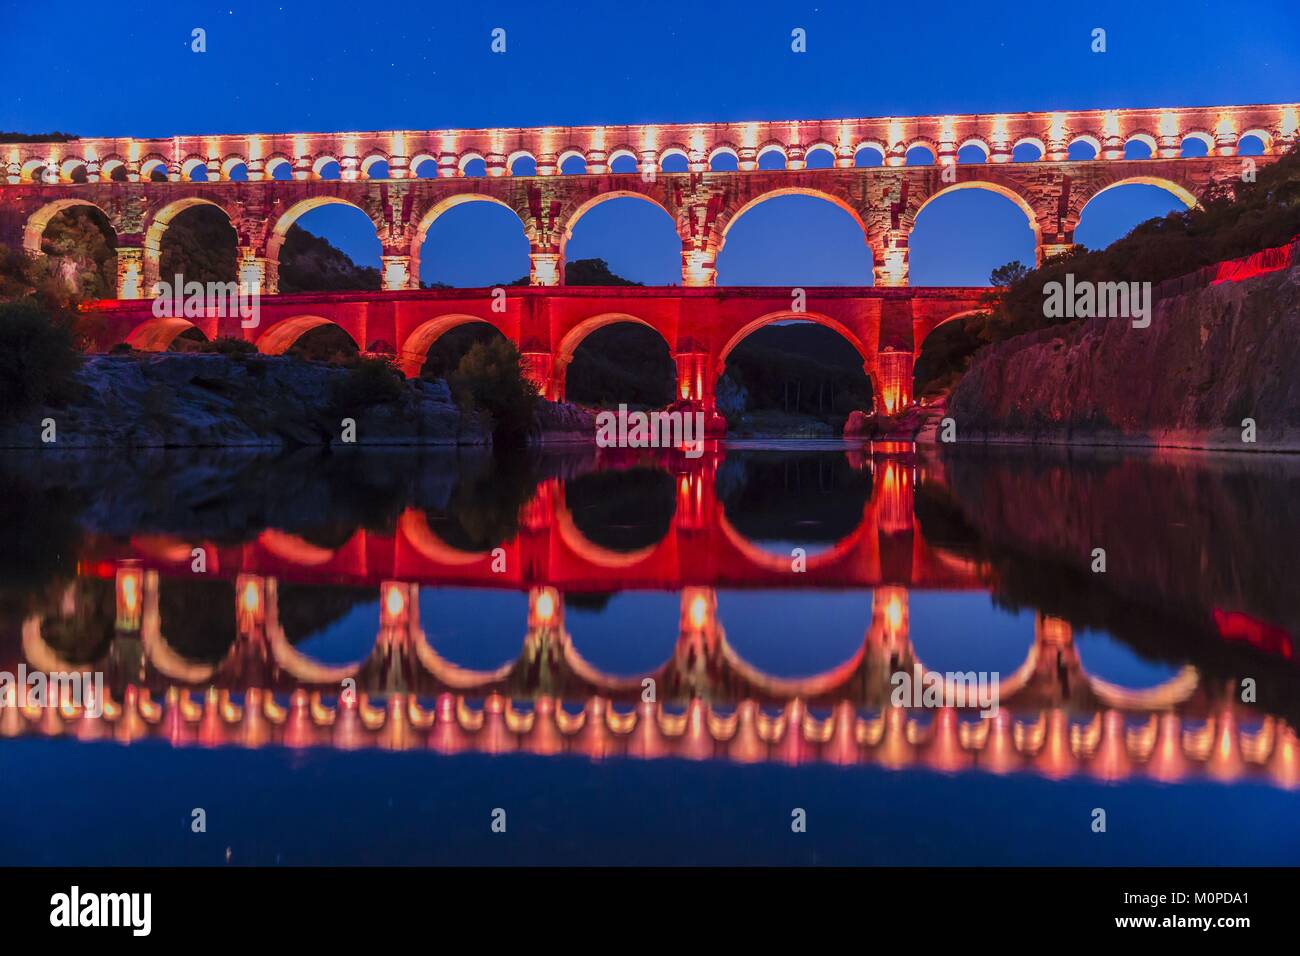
649, 659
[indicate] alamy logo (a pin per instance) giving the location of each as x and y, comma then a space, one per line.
192, 300
38, 689
677, 429
1102, 300
922, 688
134, 910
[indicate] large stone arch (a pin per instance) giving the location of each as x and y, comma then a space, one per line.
158, 223
728, 218
574, 337
414, 349
866, 350
279, 337
573, 215
295, 212
34, 228
431, 215
1180, 191
157, 334
1000, 189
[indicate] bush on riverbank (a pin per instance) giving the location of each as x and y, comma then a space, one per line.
38, 357
372, 381
490, 379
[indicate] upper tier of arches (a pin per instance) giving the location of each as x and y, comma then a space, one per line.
996, 138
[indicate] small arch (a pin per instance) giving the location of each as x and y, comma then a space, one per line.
724, 158
1246, 143
278, 167
195, 169
471, 163
772, 156
522, 163
375, 166
869, 153
326, 167
33, 171
280, 337
623, 160
424, 166
1028, 149
154, 169
681, 160
69, 168
1140, 145
820, 155
920, 153
1084, 146
235, 169
1197, 143
572, 162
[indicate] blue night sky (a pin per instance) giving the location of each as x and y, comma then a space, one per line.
101, 69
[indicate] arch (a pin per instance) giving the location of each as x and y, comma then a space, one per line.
467, 157
516, 156
722, 149
414, 349
993, 187
157, 335
820, 146
417, 162
867, 353
569, 155
920, 343
30, 169
1033, 142
977, 144
191, 165
622, 152
675, 150
1086, 139
159, 222
280, 337
438, 208
1201, 136
109, 167
319, 164
586, 207
34, 230
1264, 137
921, 143
151, 165
772, 148
68, 169
296, 212
574, 337
367, 164
275, 162
232, 163
729, 220
1183, 194
874, 146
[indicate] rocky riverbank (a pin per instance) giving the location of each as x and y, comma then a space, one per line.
191, 400
1212, 357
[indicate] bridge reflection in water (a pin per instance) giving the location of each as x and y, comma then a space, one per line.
708, 702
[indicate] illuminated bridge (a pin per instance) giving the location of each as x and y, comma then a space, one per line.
705, 176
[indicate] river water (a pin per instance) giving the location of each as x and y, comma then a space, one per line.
617, 657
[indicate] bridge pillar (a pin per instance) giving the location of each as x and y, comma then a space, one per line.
130, 268
395, 274
539, 368
893, 370
889, 258
258, 274
699, 268
544, 268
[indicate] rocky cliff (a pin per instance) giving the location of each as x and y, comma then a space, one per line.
184, 400
1212, 357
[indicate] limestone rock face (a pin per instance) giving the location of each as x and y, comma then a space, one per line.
1210, 358
197, 400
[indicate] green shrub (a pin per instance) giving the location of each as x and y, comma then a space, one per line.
39, 357
372, 381
229, 347
490, 378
